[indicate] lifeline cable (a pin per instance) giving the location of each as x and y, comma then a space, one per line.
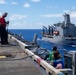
7, 59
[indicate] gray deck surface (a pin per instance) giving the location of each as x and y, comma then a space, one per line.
21, 64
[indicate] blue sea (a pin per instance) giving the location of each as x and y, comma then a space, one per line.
28, 34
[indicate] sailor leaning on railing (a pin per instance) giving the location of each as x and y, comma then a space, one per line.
55, 58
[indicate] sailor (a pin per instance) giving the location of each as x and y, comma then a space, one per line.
3, 31
49, 57
51, 53
58, 62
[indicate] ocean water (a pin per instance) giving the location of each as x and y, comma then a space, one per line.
28, 34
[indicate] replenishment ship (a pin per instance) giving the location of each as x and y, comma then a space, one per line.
64, 32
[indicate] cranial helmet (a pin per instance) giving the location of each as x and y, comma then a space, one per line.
5, 14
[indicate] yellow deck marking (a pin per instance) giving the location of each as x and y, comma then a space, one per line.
2, 56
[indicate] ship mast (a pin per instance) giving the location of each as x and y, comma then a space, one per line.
66, 19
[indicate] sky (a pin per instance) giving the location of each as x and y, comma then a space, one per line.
34, 14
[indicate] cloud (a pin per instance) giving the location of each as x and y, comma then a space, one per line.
26, 5
73, 14
15, 3
66, 11
35, 0
73, 17
25, 25
17, 17
51, 15
2, 2
20, 25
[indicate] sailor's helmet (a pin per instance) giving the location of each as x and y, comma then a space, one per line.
5, 14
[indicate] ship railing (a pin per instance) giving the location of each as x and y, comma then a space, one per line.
69, 37
66, 71
48, 68
49, 36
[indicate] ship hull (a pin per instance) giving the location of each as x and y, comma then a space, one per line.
60, 40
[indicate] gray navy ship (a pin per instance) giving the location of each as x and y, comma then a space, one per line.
64, 32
